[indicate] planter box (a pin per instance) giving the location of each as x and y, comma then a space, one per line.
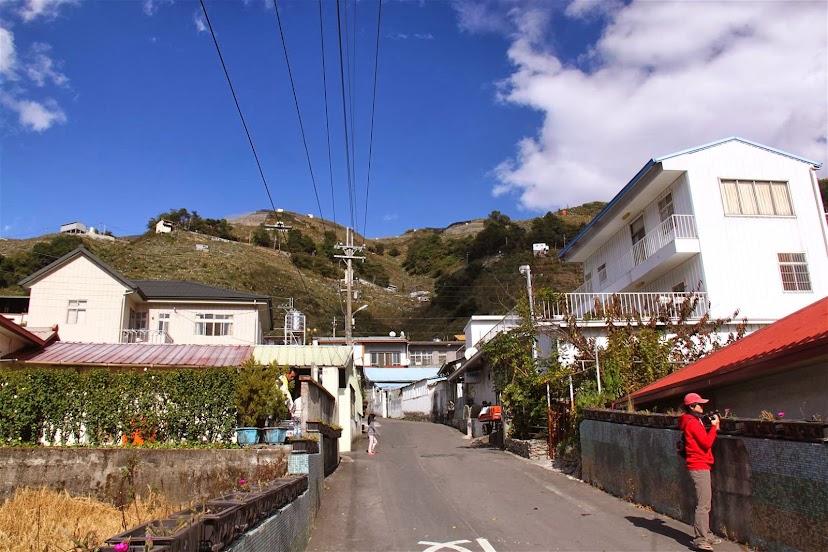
305, 445
221, 524
802, 431
254, 507
758, 428
247, 436
178, 535
313, 426
274, 435
730, 426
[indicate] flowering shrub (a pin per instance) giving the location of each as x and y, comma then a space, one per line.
68, 405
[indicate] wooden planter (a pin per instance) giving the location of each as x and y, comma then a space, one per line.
729, 426
759, 428
802, 431
221, 524
304, 445
178, 535
313, 426
253, 506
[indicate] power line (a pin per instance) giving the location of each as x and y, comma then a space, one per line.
296, 103
371, 140
345, 116
235, 99
327, 122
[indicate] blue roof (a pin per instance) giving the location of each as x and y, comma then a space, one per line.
653, 161
399, 375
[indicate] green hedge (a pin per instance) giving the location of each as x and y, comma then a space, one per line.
65, 404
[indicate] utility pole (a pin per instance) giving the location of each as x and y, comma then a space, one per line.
349, 248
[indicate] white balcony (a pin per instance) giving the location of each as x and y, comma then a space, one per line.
665, 247
596, 306
145, 336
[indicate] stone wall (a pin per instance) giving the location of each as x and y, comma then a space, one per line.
183, 475
771, 494
534, 449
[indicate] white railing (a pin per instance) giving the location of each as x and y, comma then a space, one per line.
596, 306
145, 336
675, 227
508, 322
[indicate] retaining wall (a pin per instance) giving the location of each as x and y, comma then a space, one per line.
769, 493
183, 475
534, 449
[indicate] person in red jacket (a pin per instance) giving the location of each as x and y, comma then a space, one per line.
698, 444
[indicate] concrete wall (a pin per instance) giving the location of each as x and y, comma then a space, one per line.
182, 475
771, 494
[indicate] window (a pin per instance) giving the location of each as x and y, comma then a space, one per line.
680, 287
385, 359
794, 271
588, 282
164, 322
214, 324
764, 198
441, 358
602, 273
137, 320
421, 358
76, 313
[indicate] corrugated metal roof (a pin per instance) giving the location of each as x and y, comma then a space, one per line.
139, 354
389, 386
176, 289
302, 355
803, 333
406, 375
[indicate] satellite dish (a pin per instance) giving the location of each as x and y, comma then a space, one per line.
470, 352
392, 334
402, 334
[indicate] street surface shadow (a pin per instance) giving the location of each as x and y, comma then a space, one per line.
658, 526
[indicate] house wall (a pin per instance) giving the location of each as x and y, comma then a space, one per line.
182, 327
479, 326
80, 279
800, 393
738, 265
768, 493
740, 253
418, 400
441, 352
384, 347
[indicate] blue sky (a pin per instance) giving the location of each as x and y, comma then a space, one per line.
114, 111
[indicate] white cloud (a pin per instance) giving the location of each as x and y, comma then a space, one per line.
8, 57
200, 23
47, 9
390, 217
41, 68
150, 8
662, 77
35, 115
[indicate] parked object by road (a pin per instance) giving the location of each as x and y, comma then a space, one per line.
698, 446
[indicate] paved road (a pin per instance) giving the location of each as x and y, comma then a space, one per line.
426, 489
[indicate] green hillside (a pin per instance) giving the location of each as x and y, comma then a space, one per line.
470, 267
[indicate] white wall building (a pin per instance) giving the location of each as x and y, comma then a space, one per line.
737, 221
91, 302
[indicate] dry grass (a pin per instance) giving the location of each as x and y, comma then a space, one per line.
43, 520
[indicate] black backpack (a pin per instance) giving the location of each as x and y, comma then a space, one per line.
681, 446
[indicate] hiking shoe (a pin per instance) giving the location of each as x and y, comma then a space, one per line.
715, 540
703, 545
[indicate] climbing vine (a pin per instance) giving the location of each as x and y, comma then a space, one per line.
67, 405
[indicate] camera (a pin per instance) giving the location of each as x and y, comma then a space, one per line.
707, 417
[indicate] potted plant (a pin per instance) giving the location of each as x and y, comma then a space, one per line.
259, 399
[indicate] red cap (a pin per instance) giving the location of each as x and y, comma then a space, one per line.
694, 398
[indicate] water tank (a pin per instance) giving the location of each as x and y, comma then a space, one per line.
295, 321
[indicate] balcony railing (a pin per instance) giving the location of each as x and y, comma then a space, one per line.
673, 228
145, 336
597, 306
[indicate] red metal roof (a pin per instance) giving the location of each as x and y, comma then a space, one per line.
798, 337
20, 331
139, 354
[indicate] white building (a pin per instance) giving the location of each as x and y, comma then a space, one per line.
73, 228
93, 303
163, 227
739, 222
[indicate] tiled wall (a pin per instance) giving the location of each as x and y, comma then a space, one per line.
771, 494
